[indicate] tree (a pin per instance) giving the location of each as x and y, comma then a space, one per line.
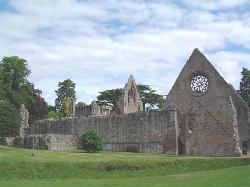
9, 120
52, 115
37, 106
13, 74
66, 89
51, 108
91, 141
65, 109
245, 86
2, 96
149, 97
81, 104
109, 98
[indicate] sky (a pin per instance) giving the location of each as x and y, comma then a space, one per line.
99, 44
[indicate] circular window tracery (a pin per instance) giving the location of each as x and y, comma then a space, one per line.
199, 84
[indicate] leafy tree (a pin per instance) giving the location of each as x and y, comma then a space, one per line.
81, 104
149, 97
9, 120
65, 109
109, 98
37, 106
91, 141
51, 108
245, 86
66, 89
2, 96
52, 115
15, 88
13, 74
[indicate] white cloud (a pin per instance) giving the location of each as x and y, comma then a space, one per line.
230, 65
98, 44
214, 4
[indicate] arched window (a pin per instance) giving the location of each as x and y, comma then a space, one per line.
131, 95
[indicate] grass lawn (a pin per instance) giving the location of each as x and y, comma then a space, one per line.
24, 167
230, 177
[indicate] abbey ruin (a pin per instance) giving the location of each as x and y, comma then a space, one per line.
202, 115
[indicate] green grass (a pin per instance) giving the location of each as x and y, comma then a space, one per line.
229, 177
64, 168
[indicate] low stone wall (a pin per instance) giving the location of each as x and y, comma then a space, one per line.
51, 141
10, 141
148, 131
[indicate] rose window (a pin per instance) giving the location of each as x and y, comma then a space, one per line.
199, 84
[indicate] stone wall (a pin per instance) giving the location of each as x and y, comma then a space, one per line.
149, 131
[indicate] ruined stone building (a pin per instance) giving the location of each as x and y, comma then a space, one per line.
202, 115
212, 116
130, 100
89, 110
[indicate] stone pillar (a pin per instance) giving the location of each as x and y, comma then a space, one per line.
72, 107
24, 113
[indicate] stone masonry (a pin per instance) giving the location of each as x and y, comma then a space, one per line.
24, 113
130, 101
89, 110
212, 115
148, 131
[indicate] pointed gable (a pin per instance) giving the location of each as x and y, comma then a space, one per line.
211, 114
130, 101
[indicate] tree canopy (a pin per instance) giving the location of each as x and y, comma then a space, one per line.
109, 98
66, 89
65, 110
149, 97
15, 90
245, 86
81, 104
9, 120
14, 72
37, 106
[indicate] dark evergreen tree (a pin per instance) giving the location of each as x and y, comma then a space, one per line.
66, 89
37, 106
245, 86
149, 97
9, 120
109, 98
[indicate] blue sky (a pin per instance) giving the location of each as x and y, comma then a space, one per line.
98, 44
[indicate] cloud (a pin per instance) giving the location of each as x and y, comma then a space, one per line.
214, 4
98, 44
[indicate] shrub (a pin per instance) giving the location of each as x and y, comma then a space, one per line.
9, 120
91, 141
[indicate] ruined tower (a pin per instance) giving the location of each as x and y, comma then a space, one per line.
212, 116
130, 101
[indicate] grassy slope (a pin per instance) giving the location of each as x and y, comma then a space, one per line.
229, 177
18, 166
